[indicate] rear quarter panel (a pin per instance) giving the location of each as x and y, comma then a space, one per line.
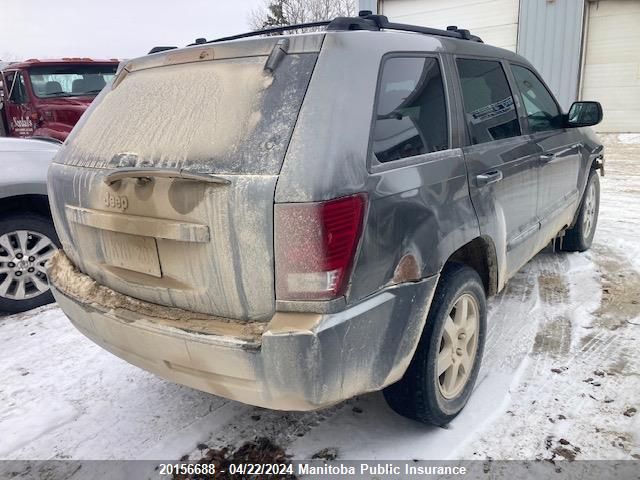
419, 209
418, 216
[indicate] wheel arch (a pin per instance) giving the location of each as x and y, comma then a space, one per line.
479, 254
34, 203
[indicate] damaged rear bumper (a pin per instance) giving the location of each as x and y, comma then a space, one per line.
295, 361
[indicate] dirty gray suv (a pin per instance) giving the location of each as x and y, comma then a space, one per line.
292, 220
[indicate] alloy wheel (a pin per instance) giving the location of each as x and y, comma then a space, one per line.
23, 254
589, 211
458, 345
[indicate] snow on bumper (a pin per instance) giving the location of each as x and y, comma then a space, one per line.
295, 361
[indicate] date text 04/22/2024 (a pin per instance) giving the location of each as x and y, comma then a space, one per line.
310, 469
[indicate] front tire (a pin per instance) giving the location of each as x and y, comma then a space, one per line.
580, 237
27, 241
442, 374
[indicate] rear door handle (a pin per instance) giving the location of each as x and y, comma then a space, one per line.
488, 178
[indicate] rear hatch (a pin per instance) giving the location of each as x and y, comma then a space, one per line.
164, 191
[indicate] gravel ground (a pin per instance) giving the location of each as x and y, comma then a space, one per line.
559, 379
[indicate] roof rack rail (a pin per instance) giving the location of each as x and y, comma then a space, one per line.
267, 31
365, 20
160, 49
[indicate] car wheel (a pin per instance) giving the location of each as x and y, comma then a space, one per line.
443, 371
27, 241
580, 236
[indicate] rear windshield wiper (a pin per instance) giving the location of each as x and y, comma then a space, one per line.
146, 174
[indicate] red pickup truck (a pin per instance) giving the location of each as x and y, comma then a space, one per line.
45, 98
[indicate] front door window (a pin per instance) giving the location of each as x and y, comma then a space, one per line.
488, 102
542, 111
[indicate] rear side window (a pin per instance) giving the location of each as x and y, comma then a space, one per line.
411, 112
488, 102
542, 111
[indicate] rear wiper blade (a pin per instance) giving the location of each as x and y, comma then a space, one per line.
147, 173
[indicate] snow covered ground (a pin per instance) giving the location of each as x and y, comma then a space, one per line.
560, 377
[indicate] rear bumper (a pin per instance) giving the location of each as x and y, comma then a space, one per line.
296, 361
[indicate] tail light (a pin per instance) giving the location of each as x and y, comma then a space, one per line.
315, 245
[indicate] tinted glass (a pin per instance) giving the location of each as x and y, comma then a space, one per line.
542, 111
488, 102
411, 114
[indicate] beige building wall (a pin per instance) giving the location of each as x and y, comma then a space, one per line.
611, 72
495, 21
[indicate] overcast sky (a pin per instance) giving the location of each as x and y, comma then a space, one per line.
113, 28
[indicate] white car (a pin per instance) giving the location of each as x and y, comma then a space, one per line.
27, 235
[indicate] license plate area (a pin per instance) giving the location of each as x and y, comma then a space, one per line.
131, 252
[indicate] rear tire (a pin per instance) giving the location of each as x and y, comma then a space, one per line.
24, 237
442, 374
580, 237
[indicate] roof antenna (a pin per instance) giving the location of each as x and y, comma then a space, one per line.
200, 41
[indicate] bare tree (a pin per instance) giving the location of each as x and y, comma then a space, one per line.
277, 13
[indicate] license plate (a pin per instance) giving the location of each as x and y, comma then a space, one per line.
131, 252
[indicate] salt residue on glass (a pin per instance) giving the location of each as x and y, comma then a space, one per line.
176, 116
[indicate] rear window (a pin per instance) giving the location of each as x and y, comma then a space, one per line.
222, 116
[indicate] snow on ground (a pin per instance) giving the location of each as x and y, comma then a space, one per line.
561, 368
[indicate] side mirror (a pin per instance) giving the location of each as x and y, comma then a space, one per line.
584, 114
